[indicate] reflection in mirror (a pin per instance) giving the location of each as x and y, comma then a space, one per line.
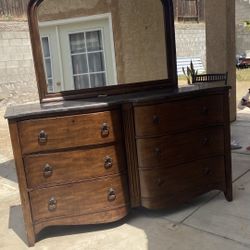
97, 43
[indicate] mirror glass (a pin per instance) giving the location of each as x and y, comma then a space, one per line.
98, 43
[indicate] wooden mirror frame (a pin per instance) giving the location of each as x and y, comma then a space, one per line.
107, 90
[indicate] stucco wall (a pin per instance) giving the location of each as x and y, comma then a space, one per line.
220, 32
138, 28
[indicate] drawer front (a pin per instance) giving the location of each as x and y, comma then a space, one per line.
79, 198
173, 116
184, 180
175, 149
69, 131
66, 167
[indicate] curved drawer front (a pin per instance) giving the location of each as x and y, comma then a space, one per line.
180, 148
178, 115
181, 182
79, 198
65, 167
69, 131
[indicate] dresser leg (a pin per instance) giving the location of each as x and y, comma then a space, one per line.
31, 240
228, 195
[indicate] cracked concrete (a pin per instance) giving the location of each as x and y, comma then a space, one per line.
208, 222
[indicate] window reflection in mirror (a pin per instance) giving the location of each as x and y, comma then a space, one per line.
97, 43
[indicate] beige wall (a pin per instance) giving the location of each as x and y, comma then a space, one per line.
138, 28
220, 32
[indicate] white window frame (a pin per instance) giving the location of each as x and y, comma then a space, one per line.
105, 16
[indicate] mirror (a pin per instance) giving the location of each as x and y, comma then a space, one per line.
88, 45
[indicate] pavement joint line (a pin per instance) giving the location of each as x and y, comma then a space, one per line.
241, 153
199, 207
239, 177
218, 235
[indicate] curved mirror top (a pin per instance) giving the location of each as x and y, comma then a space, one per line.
97, 43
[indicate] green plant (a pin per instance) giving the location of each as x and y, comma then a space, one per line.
190, 72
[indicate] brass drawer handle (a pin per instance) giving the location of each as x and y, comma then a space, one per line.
47, 171
52, 204
108, 162
204, 110
104, 130
156, 119
160, 182
157, 151
205, 141
111, 194
42, 137
207, 171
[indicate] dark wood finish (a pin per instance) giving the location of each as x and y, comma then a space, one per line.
69, 132
79, 198
131, 153
71, 166
161, 187
16, 147
167, 117
108, 90
161, 149
87, 219
176, 149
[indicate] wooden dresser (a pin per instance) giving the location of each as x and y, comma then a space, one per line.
91, 161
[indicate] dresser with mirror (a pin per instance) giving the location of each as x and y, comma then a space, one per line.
113, 131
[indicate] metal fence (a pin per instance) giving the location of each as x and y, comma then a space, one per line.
13, 8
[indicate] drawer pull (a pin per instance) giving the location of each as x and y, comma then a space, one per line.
157, 151
160, 182
207, 171
108, 162
47, 171
52, 204
42, 137
204, 110
104, 130
156, 119
111, 194
205, 141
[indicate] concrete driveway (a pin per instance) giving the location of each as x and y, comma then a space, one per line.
207, 223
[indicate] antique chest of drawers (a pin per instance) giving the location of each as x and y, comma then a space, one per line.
82, 163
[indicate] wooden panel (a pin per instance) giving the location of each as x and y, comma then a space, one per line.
179, 115
22, 183
66, 167
79, 198
179, 148
69, 131
131, 153
182, 182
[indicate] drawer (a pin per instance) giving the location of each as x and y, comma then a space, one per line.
103, 194
182, 182
65, 167
178, 115
69, 131
175, 149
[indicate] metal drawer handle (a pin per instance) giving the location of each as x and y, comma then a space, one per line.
42, 137
108, 162
204, 110
160, 182
104, 130
52, 204
207, 171
205, 141
111, 194
157, 151
47, 171
156, 119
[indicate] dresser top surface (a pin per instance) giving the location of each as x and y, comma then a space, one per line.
31, 110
